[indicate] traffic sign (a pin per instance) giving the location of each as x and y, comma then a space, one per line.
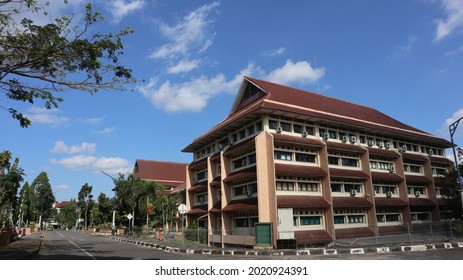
129, 216
182, 209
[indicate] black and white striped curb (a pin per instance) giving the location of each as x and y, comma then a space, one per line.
302, 252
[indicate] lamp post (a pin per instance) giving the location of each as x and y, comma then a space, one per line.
452, 129
113, 225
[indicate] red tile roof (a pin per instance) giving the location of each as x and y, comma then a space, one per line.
421, 202
244, 204
61, 204
347, 173
312, 236
288, 99
302, 201
389, 202
351, 202
353, 232
299, 170
412, 179
388, 177
172, 174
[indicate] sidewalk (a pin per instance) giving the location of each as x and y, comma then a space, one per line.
26, 247
159, 245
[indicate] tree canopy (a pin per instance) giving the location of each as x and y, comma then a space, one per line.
37, 62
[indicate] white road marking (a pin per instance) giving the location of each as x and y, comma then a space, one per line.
82, 249
59, 233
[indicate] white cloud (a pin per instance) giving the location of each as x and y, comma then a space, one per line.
95, 120
122, 8
454, 19
107, 130
46, 116
404, 50
300, 72
84, 147
184, 66
455, 116
111, 165
275, 52
193, 95
61, 187
190, 33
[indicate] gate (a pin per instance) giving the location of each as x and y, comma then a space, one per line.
263, 233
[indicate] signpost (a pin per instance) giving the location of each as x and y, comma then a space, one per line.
182, 211
129, 216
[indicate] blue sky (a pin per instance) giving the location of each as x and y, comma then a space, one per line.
404, 58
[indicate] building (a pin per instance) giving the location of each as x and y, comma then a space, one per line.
171, 175
312, 168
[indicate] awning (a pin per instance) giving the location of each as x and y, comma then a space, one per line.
244, 204
386, 176
347, 173
308, 201
351, 202
389, 202
244, 174
298, 170
417, 179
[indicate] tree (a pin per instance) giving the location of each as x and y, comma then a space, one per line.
29, 204
136, 196
450, 190
38, 62
43, 195
85, 202
11, 176
102, 210
68, 214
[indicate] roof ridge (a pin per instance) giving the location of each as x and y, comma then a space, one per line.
161, 161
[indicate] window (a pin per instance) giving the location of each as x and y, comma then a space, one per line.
243, 160
416, 190
305, 158
283, 155
412, 168
245, 220
200, 175
296, 154
285, 186
344, 160
299, 184
349, 217
307, 217
345, 187
248, 189
201, 199
389, 216
379, 164
384, 188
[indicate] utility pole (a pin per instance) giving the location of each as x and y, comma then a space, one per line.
113, 225
452, 129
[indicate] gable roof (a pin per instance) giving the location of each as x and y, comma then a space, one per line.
172, 174
274, 97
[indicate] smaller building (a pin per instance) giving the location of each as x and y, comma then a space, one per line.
171, 175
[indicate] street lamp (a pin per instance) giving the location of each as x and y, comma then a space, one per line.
113, 225
452, 129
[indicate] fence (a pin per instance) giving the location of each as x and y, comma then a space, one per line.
403, 234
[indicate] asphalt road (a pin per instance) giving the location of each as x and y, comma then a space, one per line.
72, 245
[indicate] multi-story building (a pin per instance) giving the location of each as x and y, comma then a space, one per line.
312, 167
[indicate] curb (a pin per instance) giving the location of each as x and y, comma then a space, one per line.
302, 252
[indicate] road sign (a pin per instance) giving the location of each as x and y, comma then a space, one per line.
129, 216
182, 209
